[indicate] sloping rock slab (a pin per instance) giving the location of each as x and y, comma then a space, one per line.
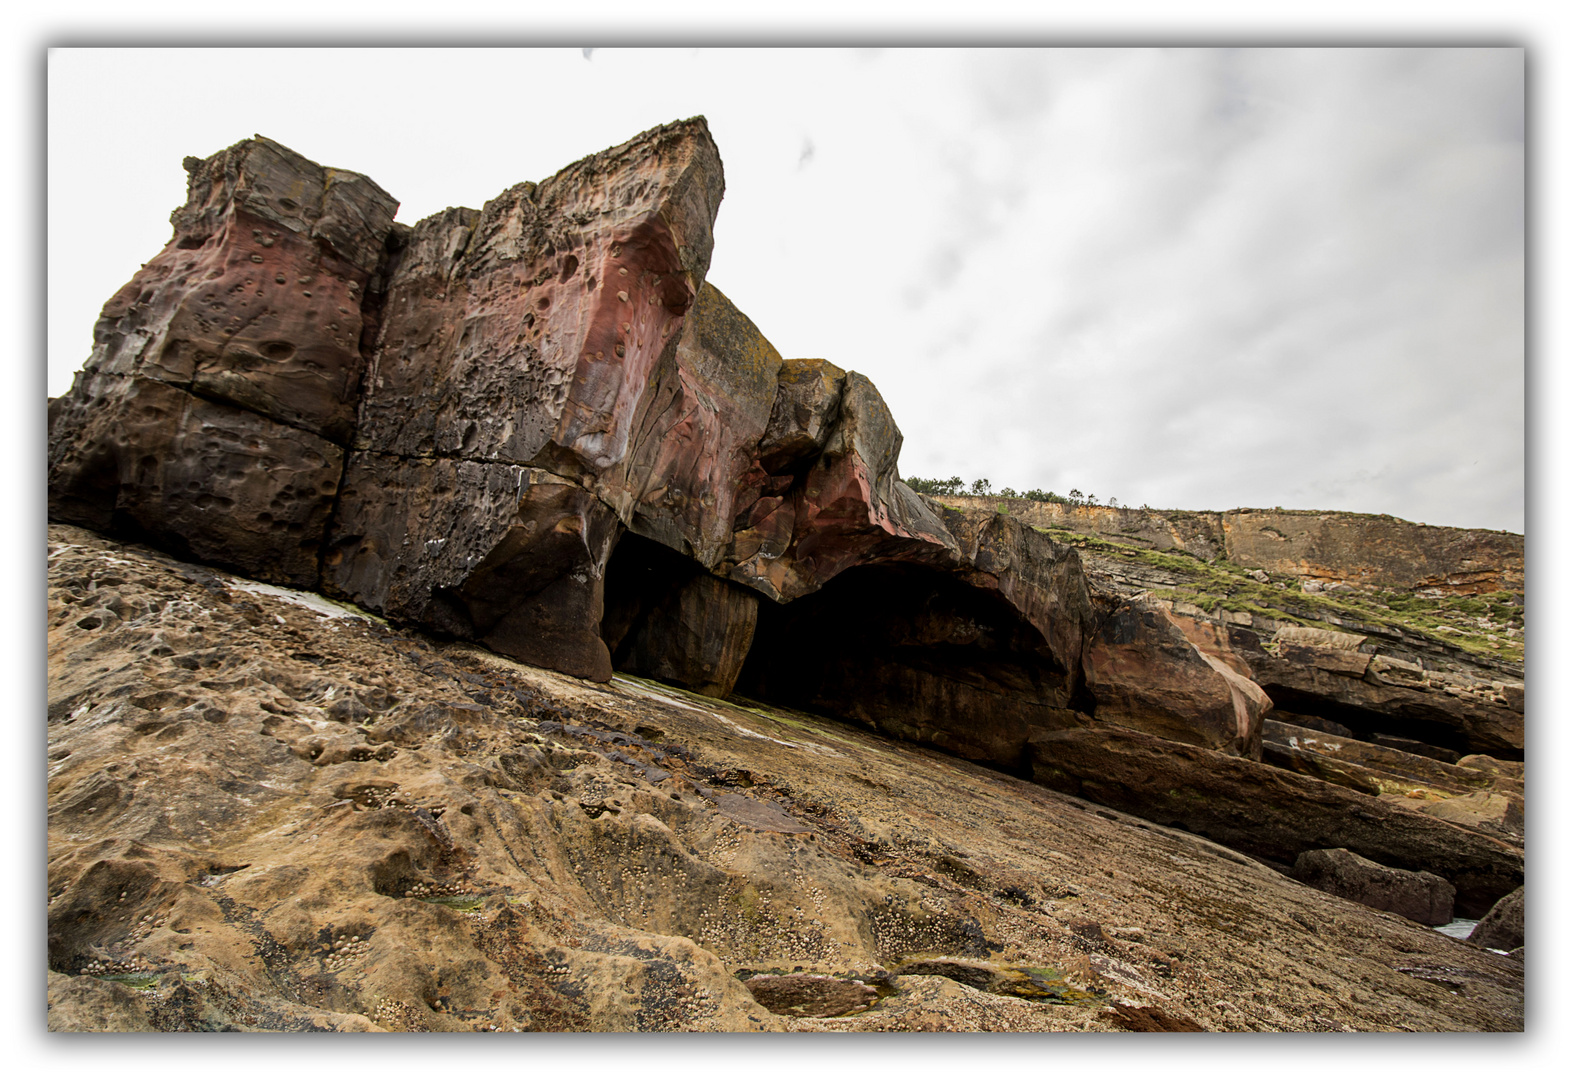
1497, 815
1358, 757
1267, 812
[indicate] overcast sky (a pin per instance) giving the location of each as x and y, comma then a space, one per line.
1189, 278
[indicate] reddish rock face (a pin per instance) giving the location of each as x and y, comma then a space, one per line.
226, 486
257, 300
1149, 674
695, 458
225, 375
528, 332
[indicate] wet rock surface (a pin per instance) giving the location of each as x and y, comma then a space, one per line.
266, 815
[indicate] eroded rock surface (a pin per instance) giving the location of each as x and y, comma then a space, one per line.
213, 412
536, 427
267, 813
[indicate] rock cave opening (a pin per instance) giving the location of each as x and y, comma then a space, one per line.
911, 652
665, 617
916, 654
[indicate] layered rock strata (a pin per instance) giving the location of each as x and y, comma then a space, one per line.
1270, 813
1325, 548
1432, 674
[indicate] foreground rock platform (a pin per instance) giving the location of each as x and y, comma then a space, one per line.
273, 816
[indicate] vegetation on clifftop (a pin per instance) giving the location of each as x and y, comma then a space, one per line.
1474, 624
984, 487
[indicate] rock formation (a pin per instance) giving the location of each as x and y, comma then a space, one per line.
1502, 926
461, 425
1420, 896
537, 427
1328, 549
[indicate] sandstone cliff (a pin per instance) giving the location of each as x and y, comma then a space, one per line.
527, 401
536, 427
1323, 548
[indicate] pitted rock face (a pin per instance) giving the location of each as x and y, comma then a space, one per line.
257, 299
453, 425
225, 375
528, 332
226, 486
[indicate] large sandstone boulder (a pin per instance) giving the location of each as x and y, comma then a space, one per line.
260, 298
694, 462
1420, 896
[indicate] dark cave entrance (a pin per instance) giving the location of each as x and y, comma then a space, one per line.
911, 652
667, 618
916, 654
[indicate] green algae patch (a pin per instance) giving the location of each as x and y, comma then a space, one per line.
1048, 984
133, 980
